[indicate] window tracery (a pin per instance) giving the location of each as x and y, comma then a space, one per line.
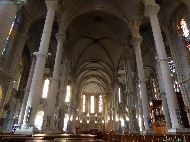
100, 103
173, 74
10, 34
184, 31
91, 103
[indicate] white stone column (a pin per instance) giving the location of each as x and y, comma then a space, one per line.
59, 127
152, 11
27, 90
132, 96
112, 118
34, 95
8, 11
142, 82
114, 106
140, 111
51, 100
163, 96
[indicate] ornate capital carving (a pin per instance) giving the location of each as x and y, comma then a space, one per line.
137, 40
152, 9
136, 37
51, 4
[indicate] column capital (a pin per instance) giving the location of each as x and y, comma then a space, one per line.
136, 40
60, 36
38, 54
152, 9
51, 4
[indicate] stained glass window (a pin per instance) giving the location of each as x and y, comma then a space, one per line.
100, 103
12, 28
155, 88
171, 66
173, 74
182, 26
83, 103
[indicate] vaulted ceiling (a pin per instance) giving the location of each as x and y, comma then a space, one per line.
98, 38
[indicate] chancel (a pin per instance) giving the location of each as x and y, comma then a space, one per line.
95, 70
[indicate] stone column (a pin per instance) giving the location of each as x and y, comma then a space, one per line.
34, 95
59, 127
140, 111
27, 90
131, 96
62, 94
142, 82
8, 11
163, 96
114, 106
51, 100
152, 11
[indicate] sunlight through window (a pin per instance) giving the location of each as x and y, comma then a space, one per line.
67, 99
100, 103
92, 104
45, 88
83, 103
39, 120
119, 92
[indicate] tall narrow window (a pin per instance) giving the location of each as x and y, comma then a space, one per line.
39, 119
45, 88
92, 104
100, 103
119, 95
122, 122
173, 74
66, 119
83, 103
67, 99
13, 26
183, 28
171, 66
155, 88
1, 94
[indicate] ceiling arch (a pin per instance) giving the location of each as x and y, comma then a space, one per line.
112, 8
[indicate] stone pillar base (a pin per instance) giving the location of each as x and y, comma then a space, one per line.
178, 130
29, 131
24, 126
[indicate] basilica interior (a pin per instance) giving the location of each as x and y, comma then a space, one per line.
116, 67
